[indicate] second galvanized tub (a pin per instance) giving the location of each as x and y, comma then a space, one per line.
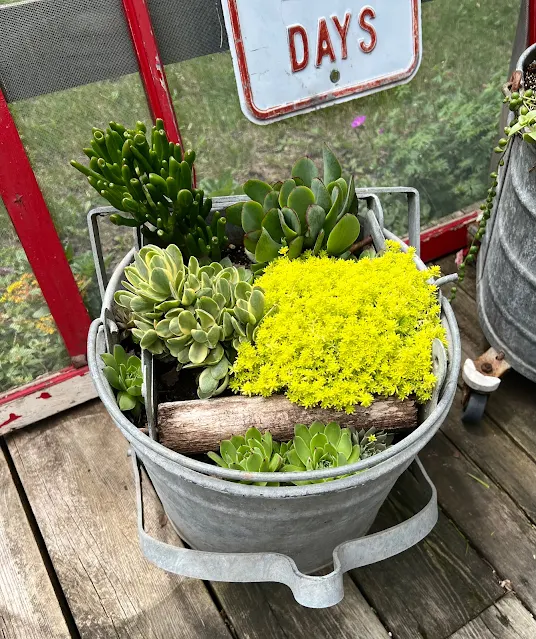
247, 533
506, 288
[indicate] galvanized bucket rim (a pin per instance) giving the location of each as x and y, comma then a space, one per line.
417, 439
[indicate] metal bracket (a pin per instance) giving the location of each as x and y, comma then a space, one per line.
414, 210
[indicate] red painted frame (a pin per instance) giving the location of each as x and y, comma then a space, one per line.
284, 109
151, 67
531, 33
447, 237
34, 387
30, 216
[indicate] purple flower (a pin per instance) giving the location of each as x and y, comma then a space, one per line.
380, 131
359, 121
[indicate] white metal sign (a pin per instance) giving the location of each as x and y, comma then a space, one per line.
292, 56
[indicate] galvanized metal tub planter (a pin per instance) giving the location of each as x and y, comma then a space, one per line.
506, 281
247, 533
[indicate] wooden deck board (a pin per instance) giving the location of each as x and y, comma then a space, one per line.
442, 570
506, 619
79, 483
28, 606
489, 518
269, 611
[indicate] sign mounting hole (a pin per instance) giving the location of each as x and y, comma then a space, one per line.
335, 76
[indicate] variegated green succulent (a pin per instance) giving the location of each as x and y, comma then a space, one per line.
302, 213
318, 447
197, 314
125, 376
253, 452
371, 441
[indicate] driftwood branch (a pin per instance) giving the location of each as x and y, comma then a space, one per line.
198, 426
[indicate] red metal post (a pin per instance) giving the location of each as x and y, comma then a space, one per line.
33, 224
151, 67
531, 32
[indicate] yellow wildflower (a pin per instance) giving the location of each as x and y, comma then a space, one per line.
283, 250
345, 331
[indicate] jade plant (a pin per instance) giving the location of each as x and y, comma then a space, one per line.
125, 376
151, 181
302, 213
253, 453
523, 104
197, 314
320, 446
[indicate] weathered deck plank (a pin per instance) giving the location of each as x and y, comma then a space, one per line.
486, 515
506, 619
79, 483
497, 455
433, 588
504, 443
268, 611
28, 606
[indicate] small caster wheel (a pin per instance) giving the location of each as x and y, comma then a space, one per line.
474, 408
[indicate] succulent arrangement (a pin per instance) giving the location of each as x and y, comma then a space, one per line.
313, 447
299, 214
125, 376
371, 441
151, 181
197, 314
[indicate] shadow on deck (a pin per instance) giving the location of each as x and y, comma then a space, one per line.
70, 564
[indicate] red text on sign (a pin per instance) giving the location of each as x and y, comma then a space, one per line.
367, 12
294, 31
298, 39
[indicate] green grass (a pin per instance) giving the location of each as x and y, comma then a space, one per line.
435, 134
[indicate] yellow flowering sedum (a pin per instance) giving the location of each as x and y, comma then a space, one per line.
344, 332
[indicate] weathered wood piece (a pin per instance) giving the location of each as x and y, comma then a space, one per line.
506, 619
50, 399
268, 611
433, 588
486, 515
28, 606
78, 480
199, 426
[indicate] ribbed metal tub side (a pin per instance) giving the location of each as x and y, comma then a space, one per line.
506, 288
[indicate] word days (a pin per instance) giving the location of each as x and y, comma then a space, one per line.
321, 44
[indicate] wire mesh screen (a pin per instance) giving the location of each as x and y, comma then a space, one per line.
48, 46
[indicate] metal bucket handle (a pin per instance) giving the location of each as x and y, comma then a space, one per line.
308, 590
